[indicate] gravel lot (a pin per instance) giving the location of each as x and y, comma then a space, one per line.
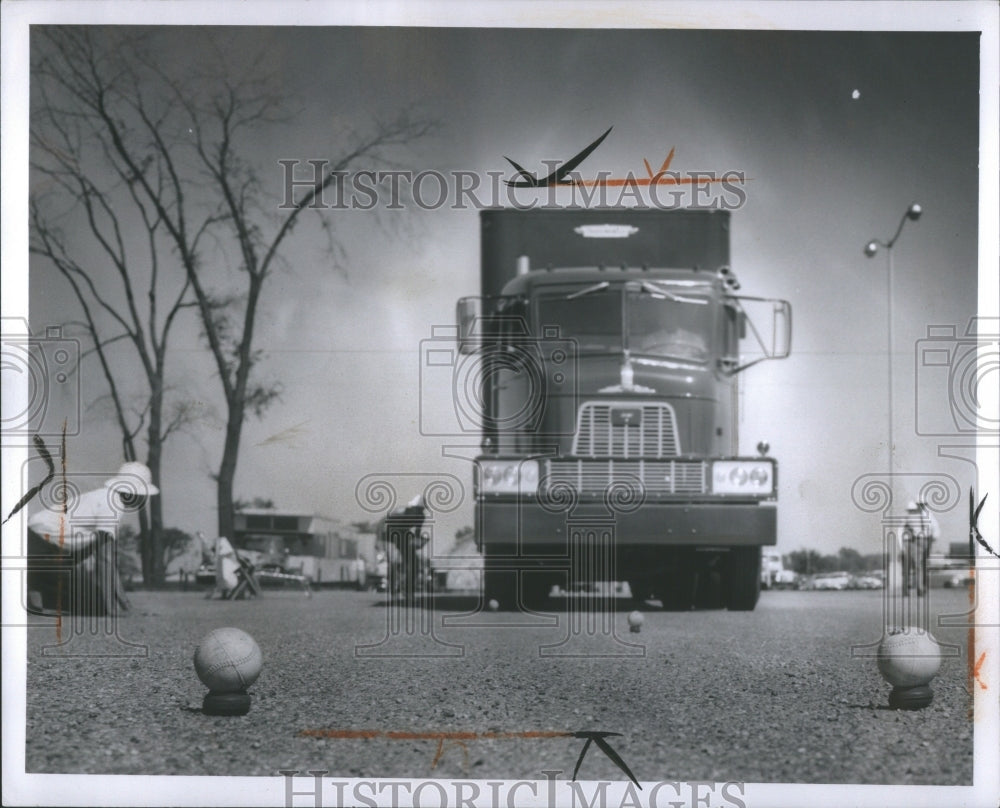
769, 696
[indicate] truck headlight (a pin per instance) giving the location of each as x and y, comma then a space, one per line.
742, 477
508, 476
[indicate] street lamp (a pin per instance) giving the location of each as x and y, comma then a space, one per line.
912, 213
871, 248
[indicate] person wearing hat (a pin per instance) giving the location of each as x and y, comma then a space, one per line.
919, 533
72, 557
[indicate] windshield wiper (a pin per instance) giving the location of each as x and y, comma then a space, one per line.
597, 287
661, 294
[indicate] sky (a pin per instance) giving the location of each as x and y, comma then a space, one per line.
836, 132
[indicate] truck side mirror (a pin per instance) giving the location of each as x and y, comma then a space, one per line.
781, 343
747, 316
468, 315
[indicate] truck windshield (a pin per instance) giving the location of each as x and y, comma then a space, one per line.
678, 326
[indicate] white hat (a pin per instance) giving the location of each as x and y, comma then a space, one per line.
130, 474
911, 505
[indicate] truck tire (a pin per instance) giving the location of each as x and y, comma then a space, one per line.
642, 590
743, 578
500, 585
677, 591
535, 589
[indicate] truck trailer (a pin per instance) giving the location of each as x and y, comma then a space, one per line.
600, 364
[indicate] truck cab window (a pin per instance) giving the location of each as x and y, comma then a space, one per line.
671, 328
594, 319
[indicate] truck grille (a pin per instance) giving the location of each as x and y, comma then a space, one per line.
625, 429
649, 478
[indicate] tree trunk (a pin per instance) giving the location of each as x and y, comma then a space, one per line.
155, 504
227, 472
145, 548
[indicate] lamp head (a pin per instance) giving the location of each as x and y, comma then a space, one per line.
914, 211
871, 248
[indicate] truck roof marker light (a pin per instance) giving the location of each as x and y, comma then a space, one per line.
606, 230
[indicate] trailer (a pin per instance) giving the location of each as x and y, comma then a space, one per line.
326, 552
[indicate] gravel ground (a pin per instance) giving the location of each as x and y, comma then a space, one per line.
769, 696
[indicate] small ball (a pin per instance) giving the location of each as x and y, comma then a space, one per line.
909, 657
493, 605
228, 660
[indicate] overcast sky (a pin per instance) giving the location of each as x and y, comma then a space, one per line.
837, 134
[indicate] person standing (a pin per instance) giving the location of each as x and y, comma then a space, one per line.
920, 531
402, 535
72, 552
227, 563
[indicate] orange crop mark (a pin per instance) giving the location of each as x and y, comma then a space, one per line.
451, 738
62, 534
342, 734
971, 642
975, 671
661, 177
440, 751
394, 735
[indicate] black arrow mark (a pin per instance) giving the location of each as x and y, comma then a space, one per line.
598, 738
529, 180
974, 525
44, 452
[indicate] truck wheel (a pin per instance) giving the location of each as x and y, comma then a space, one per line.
743, 579
642, 590
535, 589
677, 585
500, 585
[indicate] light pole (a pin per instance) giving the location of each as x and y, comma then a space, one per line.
908, 657
912, 213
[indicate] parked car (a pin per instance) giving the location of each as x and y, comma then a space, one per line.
832, 580
786, 579
866, 581
951, 578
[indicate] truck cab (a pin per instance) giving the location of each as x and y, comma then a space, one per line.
608, 396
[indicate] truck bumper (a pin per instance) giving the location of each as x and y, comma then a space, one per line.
527, 524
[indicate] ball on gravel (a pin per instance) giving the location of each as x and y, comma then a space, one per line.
635, 621
228, 660
493, 604
909, 657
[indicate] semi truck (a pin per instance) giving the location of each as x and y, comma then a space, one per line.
600, 363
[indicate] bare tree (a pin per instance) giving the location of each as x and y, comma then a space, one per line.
179, 143
101, 237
